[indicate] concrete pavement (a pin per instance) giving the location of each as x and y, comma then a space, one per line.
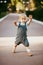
21, 57
9, 41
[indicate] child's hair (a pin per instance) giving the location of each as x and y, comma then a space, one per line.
22, 17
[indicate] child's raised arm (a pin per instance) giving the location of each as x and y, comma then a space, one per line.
30, 19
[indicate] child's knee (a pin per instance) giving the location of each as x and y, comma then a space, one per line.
26, 43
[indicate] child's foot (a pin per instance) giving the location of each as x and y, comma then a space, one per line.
30, 54
14, 48
13, 51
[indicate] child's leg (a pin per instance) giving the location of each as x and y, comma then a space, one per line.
26, 43
28, 51
14, 48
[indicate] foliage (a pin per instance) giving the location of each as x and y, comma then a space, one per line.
37, 14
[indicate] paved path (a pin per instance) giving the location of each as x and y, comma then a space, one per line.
21, 57
7, 29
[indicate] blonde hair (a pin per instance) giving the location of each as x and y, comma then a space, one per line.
22, 16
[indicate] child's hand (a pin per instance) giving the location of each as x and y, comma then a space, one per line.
15, 23
30, 17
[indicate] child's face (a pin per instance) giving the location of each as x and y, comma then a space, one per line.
23, 19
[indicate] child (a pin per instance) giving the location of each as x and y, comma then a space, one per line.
21, 33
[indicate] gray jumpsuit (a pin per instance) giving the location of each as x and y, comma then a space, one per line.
22, 35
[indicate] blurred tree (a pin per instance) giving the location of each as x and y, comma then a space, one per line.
41, 4
3, 6
32, 5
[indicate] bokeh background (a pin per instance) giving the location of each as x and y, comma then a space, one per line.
34, 7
